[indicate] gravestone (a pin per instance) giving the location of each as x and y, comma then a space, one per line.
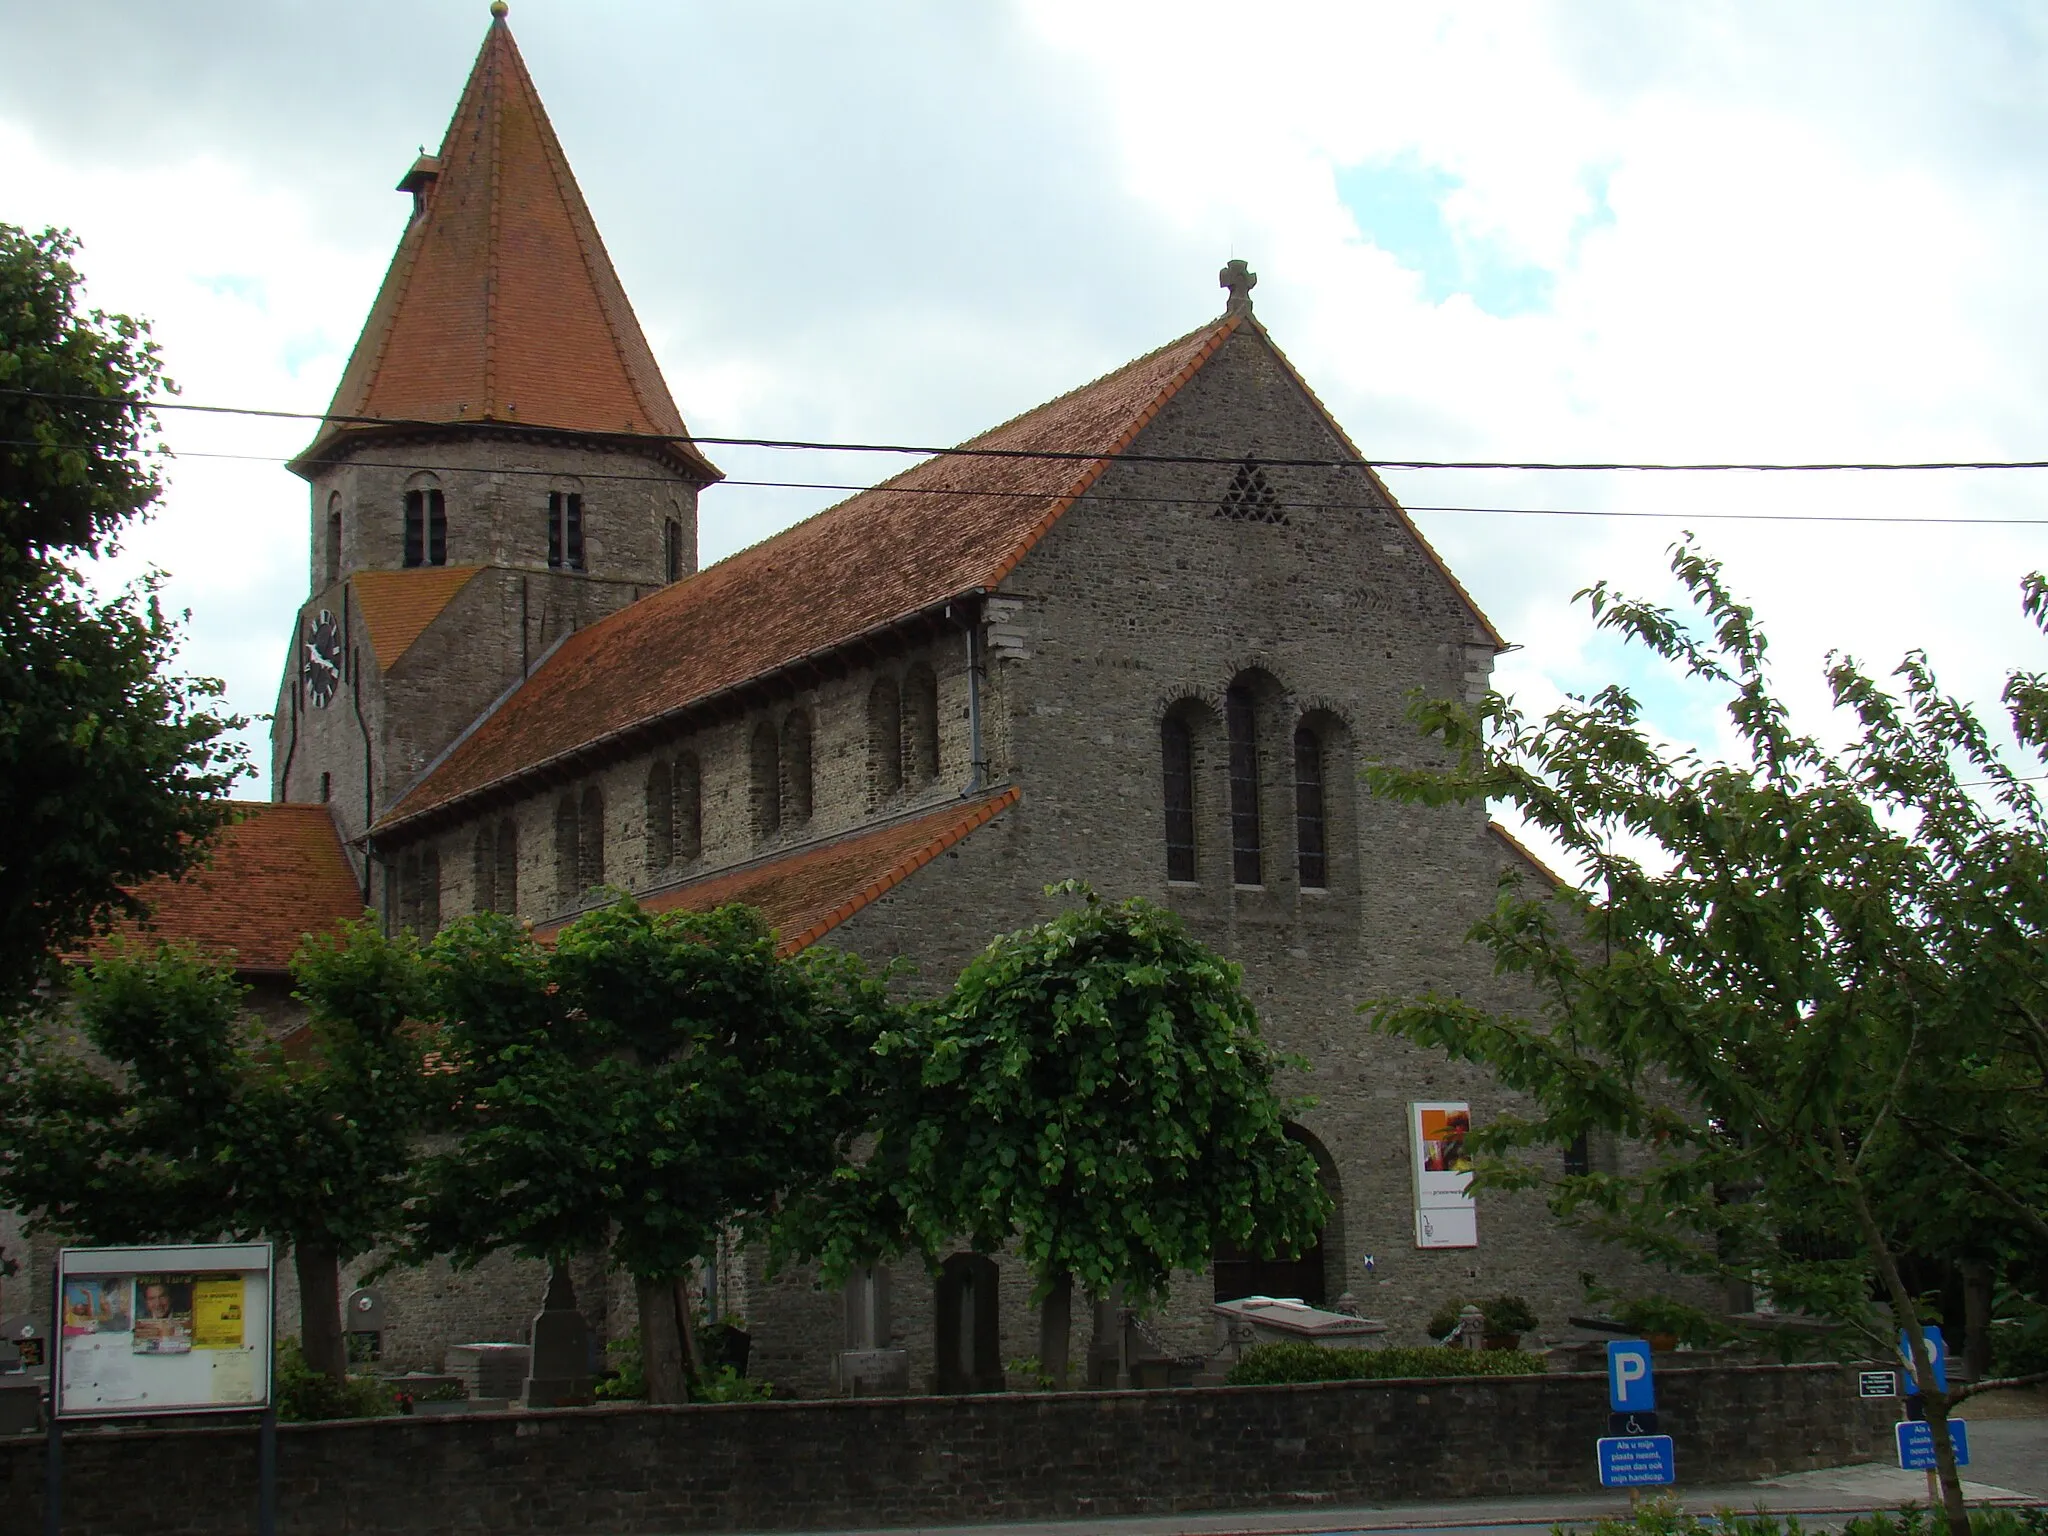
559, 1371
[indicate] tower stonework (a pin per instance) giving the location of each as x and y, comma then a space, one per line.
502, 465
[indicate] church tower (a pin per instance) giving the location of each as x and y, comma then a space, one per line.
502, 464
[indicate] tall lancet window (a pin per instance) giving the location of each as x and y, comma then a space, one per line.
1310, 822
1177, 759
1240, 720
565, 530
426, 527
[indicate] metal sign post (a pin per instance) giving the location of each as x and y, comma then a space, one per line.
1634, 1456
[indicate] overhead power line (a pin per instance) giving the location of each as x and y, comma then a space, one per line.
1050, 454
1112, 496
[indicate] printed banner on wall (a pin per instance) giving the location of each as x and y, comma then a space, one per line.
1445, 1216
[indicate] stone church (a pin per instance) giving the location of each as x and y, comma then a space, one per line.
1153, 658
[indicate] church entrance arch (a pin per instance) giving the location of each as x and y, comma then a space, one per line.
1305, 1276
969, 1339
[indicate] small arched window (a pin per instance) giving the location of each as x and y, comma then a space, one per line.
1240, 721
507, 881
671, 550
1177, 762
689, 809
568, 867
661, 815
920, 725
765, 781
426, 526
885, 738
796, 768
590, 839
1311, 838
333, 538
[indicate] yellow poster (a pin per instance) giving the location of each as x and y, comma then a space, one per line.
217, 1312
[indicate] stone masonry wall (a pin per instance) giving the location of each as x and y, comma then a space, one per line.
782, 1466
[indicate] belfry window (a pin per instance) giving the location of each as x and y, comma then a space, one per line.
671, 550
565, 530
334, 538
1240, 720
1310, 824
1177, 761
426, 527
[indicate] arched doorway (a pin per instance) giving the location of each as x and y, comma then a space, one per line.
1241, 1272
968, 1343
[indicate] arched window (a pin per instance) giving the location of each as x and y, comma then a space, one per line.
419, 892
590, 839
568, 867
1177, 761
507, 883
426, 526
661, 815
689, 809
885, 739
484, 871
333, 538
765, 775
1311, 839
1240, 721
565, 530
920, 725
671, 550
796, 768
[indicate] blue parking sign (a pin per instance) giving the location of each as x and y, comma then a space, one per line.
1916, 1444
1937, 1356
1629, 1387
1637, 1461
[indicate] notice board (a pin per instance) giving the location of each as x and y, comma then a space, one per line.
183, 1328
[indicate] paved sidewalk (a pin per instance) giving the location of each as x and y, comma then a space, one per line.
2015, 1450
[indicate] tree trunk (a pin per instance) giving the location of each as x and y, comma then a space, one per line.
1908, 1320
320, 1336
693, 1350
1976, 1318
1056, 1331
661, 1341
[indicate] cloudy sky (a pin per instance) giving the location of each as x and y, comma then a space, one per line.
1595, 229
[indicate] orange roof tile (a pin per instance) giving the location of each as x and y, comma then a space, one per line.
808, 893
501, 304
869, 562
397, 606
275, 873
1521, 849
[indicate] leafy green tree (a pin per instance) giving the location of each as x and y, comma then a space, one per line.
112, 770
652, 1083
182, 1121
1807, 984
1094, 1090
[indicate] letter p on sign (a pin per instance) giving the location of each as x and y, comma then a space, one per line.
1629, 1387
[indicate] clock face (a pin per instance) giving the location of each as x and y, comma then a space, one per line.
321, 667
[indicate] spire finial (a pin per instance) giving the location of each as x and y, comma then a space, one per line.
498, 9
1240, 279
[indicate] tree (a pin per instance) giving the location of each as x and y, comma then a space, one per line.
112, 771
653, 1083
184, 1122
1808, 984
1094, 1090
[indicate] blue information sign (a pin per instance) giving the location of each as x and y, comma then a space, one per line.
1629, 1387
1636, 1461
1937, 1356
1916, 1444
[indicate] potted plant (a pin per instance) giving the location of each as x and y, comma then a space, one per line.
1507, 1319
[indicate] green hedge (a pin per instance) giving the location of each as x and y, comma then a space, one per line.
1265, 1364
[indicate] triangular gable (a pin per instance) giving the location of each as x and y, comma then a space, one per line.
948, 527
807, 893
397, 606
501, 304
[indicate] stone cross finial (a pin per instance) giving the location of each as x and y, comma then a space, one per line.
1240, 279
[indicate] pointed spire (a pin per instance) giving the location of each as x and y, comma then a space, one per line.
501, 305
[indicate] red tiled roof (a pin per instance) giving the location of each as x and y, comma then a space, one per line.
806, 894
1520, 849
275, 873
397, 606
501, 304
869, 562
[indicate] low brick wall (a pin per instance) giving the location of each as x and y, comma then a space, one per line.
770, 1466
